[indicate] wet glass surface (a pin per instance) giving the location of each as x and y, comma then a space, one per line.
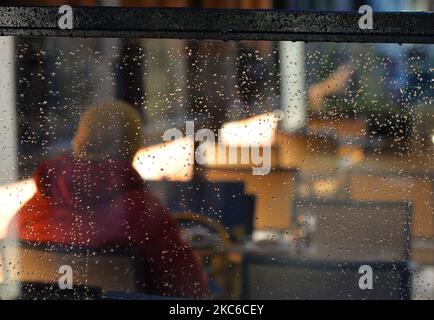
213, 169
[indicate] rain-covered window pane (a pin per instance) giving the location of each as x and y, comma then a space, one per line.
211, 169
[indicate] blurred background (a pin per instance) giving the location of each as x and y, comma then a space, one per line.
352, 158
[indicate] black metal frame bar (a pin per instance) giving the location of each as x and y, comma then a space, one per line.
221, 24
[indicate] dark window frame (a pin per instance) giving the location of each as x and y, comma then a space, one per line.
219, 24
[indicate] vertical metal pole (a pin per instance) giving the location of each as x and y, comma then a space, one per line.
8, 128
292, 82
8, 149
292, 85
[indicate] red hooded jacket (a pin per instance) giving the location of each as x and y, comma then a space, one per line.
102, 203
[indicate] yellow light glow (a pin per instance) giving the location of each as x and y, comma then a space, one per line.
259, 129
174, 160
325, 187
12, 197
171, 160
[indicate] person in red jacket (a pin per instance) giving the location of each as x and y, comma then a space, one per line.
95, 198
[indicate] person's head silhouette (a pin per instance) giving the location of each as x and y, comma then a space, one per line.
111, 129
